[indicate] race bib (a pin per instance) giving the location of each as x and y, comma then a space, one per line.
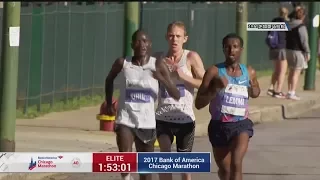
138, 96
235, 100
180, 87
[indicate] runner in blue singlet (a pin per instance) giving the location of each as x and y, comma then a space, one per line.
227, 87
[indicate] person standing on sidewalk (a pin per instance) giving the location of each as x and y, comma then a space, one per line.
276, 41
298, 51
227, 87
176, 118
141, 74
296, 6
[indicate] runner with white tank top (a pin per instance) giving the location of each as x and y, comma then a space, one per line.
176, 118
138, 91
139, 85
170, 110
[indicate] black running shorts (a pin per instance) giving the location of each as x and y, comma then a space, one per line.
184, 134
221, 133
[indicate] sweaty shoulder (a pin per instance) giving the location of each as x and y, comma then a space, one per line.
251, 71
119, 62
195, 60
116, 68
192, 55
212, 70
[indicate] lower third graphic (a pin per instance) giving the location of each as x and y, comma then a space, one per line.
32, 164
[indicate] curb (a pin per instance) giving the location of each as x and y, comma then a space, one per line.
272, 113
292, 110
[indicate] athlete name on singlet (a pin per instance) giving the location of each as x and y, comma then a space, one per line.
180, 87
234, 100
138, 96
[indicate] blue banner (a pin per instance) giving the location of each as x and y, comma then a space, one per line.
174, 162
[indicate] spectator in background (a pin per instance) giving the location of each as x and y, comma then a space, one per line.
277, 53
296, 7
298, 51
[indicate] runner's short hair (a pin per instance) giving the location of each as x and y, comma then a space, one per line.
232, 35
179, 24
134, 35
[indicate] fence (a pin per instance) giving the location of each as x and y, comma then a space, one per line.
207, 25
66, 51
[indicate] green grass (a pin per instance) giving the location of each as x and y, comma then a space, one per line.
60, 106
77, 103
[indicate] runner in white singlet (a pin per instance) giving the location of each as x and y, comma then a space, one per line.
135, 121
176, 118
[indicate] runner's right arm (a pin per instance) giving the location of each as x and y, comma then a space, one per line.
206, 90
113, 73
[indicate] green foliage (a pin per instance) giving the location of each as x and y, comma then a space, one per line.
71, 104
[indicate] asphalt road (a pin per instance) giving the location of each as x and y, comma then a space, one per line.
287, 150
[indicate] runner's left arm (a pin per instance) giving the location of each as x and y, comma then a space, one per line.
162, 74
254, 89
